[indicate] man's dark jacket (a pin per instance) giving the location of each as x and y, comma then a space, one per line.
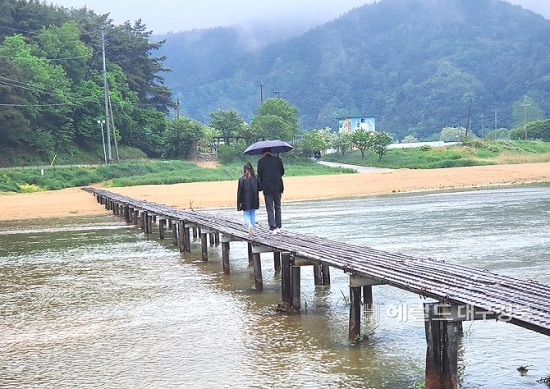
270, 173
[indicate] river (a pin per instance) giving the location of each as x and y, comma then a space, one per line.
89, 301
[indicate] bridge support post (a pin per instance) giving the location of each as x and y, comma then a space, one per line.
195, 233
325, 269
149, 222
217, 239
162, 227
181, 236
175, 234
295, 277
225, 257
354, 312
258, 279
367, 297
204, 245
441, 354
250, 259
277, 261
144, 221
212, 238
317, 275
127, 213
286, 285
187, 239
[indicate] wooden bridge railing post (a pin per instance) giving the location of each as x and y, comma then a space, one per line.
442, 351
204, 245
277, 261
286, 285
295, 277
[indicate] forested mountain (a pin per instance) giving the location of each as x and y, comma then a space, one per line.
413, 64
51, 82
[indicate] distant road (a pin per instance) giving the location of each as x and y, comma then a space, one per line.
360, 169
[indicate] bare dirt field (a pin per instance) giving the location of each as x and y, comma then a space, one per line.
75, 202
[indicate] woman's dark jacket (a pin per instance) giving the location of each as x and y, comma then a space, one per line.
247, 193
270, 173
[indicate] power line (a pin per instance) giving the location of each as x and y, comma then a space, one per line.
33, 105
26, 86
47, 59
35, 32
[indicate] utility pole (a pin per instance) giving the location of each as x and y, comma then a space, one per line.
525, 105
101, 123
468, 119
482, 134
278, 94
177, 108
106, 95
113, 126
261, 92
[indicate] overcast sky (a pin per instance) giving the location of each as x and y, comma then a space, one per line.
163, 16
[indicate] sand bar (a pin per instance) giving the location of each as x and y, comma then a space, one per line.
75, 202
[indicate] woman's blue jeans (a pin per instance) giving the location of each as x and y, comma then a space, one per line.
249, 217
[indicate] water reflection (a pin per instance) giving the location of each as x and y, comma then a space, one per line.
91, 302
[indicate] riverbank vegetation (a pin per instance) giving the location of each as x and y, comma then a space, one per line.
472, 152
140, 173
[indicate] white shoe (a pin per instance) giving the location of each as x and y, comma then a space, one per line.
273, 232
250, 230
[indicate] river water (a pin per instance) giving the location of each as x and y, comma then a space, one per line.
90, 302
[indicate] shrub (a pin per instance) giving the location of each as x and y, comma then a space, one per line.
226, 154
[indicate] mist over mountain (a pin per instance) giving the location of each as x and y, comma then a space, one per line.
413, 64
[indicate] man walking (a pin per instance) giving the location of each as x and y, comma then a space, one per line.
270, 172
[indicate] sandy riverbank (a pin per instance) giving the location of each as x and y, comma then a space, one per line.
75, 202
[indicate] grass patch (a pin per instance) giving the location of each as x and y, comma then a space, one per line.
140, 173
472, 153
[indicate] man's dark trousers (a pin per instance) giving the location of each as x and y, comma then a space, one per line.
273, 207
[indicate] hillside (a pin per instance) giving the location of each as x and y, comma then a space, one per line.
414, 64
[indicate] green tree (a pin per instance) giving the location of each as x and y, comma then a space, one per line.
312, 141
537, 130
363, 140
208, 136
227, 122
409, 139
250, 133
276, 119
342, 141
380, 143
526, 110
48, 106
180, 137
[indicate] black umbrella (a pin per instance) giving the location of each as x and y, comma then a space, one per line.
276, 146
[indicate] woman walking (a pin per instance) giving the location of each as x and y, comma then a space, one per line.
248, 199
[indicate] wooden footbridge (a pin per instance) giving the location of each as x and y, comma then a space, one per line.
462, 293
